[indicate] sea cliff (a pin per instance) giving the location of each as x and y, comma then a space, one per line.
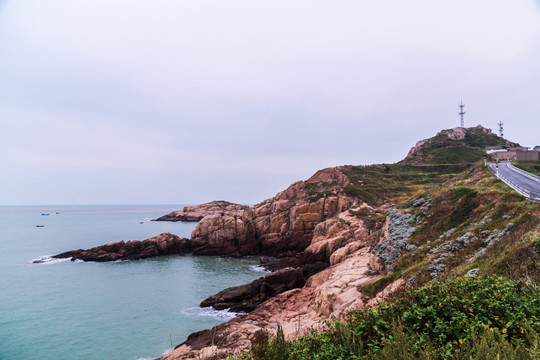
374, 231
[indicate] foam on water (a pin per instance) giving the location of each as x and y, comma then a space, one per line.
223, 315
47, 259
259, 268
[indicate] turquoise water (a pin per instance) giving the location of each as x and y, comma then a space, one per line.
121, 310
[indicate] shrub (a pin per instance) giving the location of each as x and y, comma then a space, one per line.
466, 318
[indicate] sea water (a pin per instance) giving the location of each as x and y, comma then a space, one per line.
124, 310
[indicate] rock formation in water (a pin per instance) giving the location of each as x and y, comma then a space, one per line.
246, 297
162, 244
197, 212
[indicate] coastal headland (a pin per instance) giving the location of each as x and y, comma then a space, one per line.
349, 237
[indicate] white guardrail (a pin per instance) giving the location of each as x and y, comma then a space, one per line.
524, 173
529, 195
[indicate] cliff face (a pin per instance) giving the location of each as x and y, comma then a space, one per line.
328, 294
378, 229
281, 225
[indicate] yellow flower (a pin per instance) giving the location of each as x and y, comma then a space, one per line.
460, 342
504, 331
427, 324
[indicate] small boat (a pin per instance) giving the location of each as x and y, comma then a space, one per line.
40, 225
140, 222
43, 214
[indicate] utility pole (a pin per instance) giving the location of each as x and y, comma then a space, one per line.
461, 113
501, 129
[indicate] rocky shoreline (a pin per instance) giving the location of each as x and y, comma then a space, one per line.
324, 253
159, 245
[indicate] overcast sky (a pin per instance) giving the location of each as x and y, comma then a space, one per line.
187, 101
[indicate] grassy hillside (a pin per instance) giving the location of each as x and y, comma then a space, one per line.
442, 149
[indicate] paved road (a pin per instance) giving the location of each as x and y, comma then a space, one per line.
518, 179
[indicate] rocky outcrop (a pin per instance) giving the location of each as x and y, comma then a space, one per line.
417, 147
459, 133
162, 244
399, 227
226, 235
281, 226
339, 236
247, 297
198, 212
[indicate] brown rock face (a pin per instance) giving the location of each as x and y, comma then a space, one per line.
197, 212
162, 244
279, 226
247, 297
230, 235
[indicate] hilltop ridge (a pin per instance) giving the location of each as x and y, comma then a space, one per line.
454, 146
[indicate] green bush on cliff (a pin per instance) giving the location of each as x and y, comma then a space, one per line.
456, 319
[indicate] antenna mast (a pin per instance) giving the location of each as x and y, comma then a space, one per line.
461, 113
501, 129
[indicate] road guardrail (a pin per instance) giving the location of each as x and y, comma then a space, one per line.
524, 173
528, 194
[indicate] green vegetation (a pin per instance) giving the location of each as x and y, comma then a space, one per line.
377, 184
454, 319
532, 166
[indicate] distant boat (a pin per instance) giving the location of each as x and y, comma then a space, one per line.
57, 213
43, 214
40, 225
140, 222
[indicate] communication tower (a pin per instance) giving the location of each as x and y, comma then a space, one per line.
501, 129
461, 113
